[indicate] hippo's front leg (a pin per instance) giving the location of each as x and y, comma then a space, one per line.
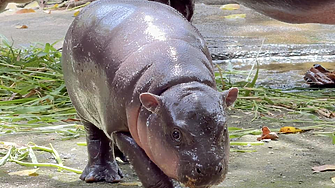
101, 160
149, 174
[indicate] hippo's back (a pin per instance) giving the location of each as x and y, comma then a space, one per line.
104, 26
101, 38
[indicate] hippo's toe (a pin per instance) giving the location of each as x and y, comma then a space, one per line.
109, 172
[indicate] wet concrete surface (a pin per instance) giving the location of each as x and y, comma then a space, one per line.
228, 39
258, 35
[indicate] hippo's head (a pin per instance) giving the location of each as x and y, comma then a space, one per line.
186, 133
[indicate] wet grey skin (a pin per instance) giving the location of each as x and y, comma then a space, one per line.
291, 11
141, 79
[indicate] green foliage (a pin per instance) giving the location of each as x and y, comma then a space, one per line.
20, 155
32, 89
262, 100
33, 97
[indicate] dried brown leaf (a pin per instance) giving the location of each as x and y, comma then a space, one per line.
25, 173
324, 168
267, 134
21, 27
131, 183
325, 113
24, 11
70, 119
230, 7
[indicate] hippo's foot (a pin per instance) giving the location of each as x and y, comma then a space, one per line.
109, 172
101, 160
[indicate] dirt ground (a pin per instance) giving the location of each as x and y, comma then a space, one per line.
285, 163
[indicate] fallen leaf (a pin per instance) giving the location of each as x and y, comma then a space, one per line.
326, 113
31, 93
76, 13
23, 11
333, 179
32, 5
242, 151
21, 27
265, 130
267, 134
289, 130
131, 183
324, 168
235, 16
25, 173
70, 119
230, 7
268, 137
47, 11
11, 6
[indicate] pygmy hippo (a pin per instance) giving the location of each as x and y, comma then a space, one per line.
141, 79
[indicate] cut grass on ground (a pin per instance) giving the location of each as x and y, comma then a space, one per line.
33, 94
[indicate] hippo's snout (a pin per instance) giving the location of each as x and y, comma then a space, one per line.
201, 171
204, 175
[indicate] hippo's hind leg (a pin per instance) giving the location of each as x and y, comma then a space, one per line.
149, 174
120, 155
101, 160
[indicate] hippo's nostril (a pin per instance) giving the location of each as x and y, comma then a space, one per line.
198, 170
219, 168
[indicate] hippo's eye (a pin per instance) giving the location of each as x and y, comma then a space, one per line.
176, 135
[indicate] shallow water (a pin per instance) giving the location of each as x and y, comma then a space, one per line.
284, 51
278, 75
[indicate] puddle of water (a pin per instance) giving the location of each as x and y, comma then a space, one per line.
286, 67
283, 33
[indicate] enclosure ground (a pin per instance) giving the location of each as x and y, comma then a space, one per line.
285, 163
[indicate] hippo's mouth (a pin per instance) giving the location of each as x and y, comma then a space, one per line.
191, 182
194, 183
207, 174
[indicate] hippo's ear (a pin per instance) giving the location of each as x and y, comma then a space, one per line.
229, 96
150, 101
